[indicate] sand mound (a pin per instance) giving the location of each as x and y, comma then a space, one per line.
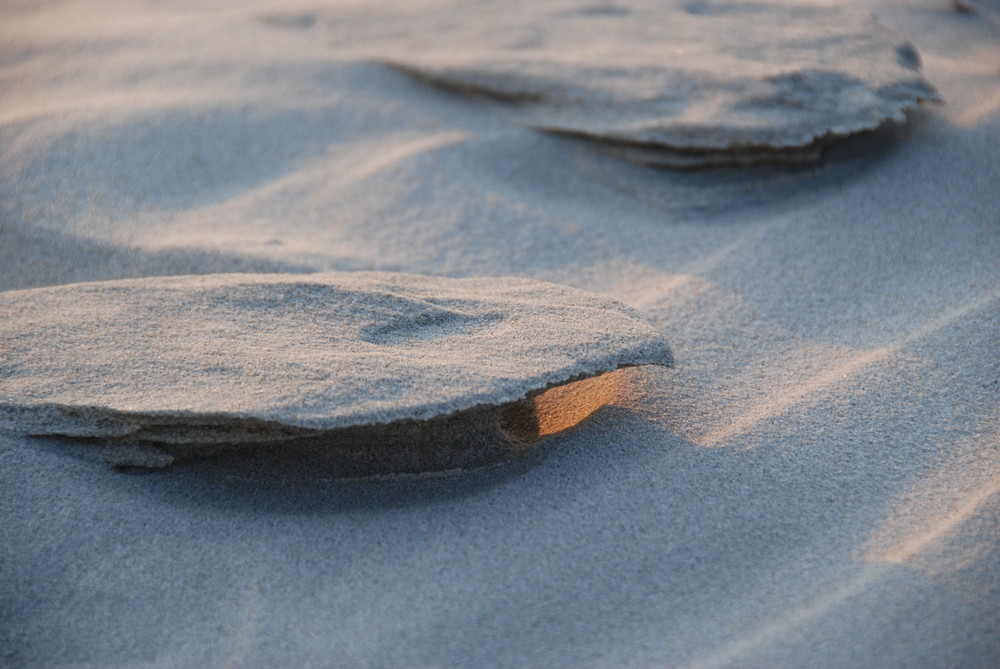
712, 82
415, 373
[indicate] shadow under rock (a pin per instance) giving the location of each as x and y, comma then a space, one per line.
287, 486
337, 471
277, 485
707, 189
492, 445
272, 483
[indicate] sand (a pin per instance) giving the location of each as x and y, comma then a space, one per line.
814, 483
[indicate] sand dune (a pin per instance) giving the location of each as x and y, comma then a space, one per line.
813, 483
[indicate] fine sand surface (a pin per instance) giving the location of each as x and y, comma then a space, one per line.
815, 483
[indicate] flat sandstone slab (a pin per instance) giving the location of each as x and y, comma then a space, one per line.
693, 76
389, 371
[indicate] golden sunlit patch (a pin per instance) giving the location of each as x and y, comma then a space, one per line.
565, 406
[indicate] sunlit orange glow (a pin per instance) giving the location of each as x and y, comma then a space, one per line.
566, 406
563, 407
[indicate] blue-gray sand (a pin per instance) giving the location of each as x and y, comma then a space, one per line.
814, 484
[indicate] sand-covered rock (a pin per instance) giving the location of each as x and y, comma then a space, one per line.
713, 81
391, 372
988, 10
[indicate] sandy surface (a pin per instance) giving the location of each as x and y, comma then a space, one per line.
814, 484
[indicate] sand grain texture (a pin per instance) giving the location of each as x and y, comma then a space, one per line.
814, 484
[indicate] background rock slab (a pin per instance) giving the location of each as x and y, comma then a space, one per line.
701, 75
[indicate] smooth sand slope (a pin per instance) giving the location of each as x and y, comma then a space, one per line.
813, 484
